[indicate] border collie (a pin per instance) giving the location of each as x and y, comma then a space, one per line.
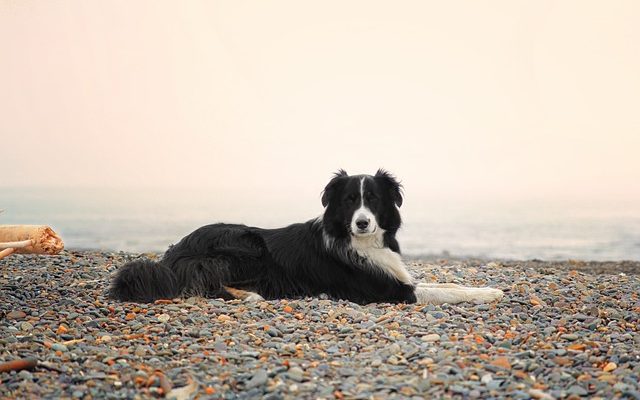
350, 253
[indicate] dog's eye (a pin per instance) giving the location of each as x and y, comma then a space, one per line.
370, 196
351, 199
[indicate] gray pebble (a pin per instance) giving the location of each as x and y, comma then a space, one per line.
259, 378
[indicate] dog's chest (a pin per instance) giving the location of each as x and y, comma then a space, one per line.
377, 256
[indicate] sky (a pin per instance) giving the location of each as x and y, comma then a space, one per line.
252, 99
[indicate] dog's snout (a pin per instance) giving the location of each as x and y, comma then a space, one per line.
362, 223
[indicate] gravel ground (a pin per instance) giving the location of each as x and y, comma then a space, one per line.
563, 330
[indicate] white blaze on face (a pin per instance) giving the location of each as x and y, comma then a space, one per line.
363, 222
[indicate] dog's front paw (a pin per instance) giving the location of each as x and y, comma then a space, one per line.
487, 295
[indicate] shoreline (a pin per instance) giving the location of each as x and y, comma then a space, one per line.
627, 266
564, 329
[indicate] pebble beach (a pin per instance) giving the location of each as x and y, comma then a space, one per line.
564, 330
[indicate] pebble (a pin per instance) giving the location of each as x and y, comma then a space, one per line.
296, 374
163, 317
26, 326
431, 337
16, 315
59, 347
320, 348
258, 379
577, 390
486, 378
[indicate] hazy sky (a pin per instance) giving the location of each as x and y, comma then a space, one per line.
504, 99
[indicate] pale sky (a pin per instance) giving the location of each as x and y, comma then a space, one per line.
499, 99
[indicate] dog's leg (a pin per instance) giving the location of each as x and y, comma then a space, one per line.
243, 294
439, 293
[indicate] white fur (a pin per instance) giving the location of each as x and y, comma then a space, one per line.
363, 212
372, 249
439, 293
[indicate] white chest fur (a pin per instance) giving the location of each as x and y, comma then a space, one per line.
372, 249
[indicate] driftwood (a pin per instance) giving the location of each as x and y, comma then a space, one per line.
32, 239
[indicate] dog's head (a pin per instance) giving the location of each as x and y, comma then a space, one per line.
362, 205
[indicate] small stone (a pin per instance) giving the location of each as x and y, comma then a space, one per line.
16, 315
273, 332
486, 378
26, 326
620, 387
308, 387
610, 367
296, 374
393, 360
580, 317
258, 379
570, 336
458, 389
59, 347
432, 337
577, 390
502, 362
163, 318
393, 349
26, 375
539, 394
494, 384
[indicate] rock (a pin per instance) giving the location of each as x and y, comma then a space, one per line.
577, 390
486, 378
458, 389
433, 337
59, 347
16, 315
26, 326
539, 394
163, 318
296, 374
273, 332
259, 378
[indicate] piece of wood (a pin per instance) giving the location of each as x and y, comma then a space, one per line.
18, 365
6, 252
23, 243
43, 240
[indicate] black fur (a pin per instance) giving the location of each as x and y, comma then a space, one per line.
305, 259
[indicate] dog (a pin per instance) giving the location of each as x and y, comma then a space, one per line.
349, 253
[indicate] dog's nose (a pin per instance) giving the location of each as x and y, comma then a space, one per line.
362, 223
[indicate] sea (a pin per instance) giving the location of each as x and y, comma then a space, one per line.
150, 220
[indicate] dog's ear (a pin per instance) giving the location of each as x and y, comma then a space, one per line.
328, 190
395, 188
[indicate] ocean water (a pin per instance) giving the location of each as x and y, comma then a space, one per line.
149, 221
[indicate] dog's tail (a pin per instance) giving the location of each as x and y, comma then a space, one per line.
144, 281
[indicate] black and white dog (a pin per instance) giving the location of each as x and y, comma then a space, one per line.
350, 252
